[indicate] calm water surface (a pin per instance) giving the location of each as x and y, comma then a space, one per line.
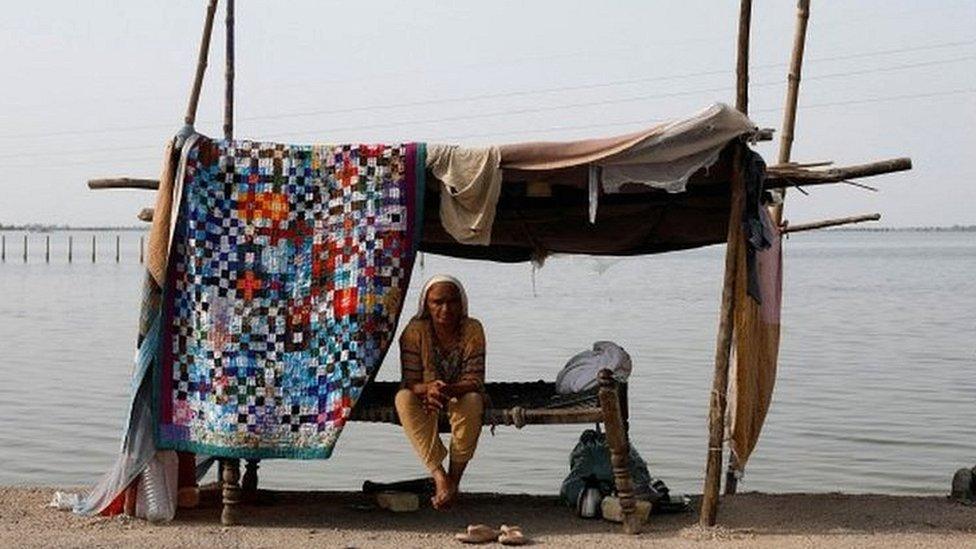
876, 391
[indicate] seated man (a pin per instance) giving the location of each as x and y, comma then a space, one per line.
442, 355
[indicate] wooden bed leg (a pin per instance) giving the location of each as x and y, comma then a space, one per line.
613, 423
249, 484
231, 492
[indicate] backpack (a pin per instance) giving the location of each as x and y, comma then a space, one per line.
589, 465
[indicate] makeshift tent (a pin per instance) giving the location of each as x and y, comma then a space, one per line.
675, 186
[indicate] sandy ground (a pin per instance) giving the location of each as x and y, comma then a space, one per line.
325, 519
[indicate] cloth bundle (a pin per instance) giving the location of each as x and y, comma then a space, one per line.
580, 372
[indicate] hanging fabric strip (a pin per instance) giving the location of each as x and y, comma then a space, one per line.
594, 190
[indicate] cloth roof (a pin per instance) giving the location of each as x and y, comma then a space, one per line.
663, 189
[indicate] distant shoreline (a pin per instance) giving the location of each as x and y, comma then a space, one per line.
36, 228
40, 228
945, 229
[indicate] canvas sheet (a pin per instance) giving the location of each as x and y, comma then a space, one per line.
285, 279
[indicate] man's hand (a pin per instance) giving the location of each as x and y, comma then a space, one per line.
436, 397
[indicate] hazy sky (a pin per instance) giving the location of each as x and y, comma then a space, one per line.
93, 89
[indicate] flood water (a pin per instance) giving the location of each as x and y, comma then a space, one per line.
876, 389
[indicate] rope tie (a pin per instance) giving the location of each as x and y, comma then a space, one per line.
518, 416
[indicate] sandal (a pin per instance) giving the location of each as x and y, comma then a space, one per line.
477, 533
511, 535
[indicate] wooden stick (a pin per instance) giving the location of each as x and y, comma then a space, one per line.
808, 164
792, 91
229, 74
831, 223
123, 183
860, 185
619, 445
742, 105
742, 58
191, 108
781, 176
723, 347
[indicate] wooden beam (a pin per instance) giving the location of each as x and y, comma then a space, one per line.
792, 92
191, 108
831, 223
782, 176
123, 183
723, 348
229, 74
742, 105
742, 58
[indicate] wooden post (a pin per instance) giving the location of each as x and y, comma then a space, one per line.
117, 242
93, 248
613, 422
25, 248
731, 480
71, 245
723, 348
742, 58
229, 74
191, 108
47, 248
249, 484
742, 104
141, 247
231, 491
792, 92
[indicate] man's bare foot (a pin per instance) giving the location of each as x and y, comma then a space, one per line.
444, 490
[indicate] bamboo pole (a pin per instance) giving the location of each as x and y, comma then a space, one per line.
831, 223
780, 176
230, 469
191, 108
723, 348
742, 104
792, 92
742, 58
229, 74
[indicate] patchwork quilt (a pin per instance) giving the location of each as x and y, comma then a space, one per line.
285, 282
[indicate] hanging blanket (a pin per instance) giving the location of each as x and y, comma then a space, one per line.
285, 280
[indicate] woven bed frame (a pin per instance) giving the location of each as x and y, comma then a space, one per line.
516, 404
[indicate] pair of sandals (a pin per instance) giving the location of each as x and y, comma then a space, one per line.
482, 533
